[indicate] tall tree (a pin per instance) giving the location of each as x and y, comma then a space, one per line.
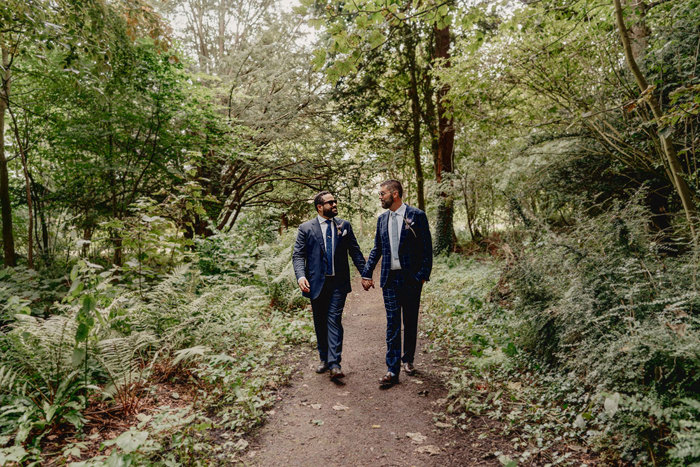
669, 148
8, 240
444, 230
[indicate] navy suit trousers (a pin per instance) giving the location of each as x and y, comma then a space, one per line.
328, 312
401, 299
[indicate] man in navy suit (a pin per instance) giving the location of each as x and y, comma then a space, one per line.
403, 239
321, 266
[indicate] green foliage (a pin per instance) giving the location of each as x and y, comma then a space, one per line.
601, 317
218, 331
41, 384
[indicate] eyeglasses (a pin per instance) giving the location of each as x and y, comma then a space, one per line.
331, 202
384, 193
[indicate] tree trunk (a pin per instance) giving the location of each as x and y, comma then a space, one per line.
416, 117
38, 193
8, 240
21, 147
444, 235
667, 144
221, 36
118, 258
638, 30
87, 236
429, 117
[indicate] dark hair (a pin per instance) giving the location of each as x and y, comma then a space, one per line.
319, 198
394, 185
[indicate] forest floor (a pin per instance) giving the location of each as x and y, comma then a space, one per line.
319, 423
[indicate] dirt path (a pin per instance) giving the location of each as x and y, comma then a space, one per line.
318, 423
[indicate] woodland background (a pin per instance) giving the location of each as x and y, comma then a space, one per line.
156, 158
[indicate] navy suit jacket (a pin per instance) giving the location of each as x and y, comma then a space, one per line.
310, 250
415, 247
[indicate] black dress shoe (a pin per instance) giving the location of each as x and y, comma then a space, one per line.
337, 373
322, 368
388, 380
409, 369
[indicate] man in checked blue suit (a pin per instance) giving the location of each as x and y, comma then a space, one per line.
403, 239
320, 260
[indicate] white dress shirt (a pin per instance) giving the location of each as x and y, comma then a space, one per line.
401, 212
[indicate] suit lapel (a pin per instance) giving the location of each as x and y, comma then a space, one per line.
316, 229
406, 217
338, 230
385, 228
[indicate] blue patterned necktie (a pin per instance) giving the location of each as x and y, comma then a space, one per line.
394, 236
329, 248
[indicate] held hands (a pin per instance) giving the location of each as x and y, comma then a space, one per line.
367, 284
304, 285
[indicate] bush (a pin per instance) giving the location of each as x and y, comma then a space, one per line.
603, 317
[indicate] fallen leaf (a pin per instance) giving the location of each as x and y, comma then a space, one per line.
507, 461
316, 406
142, 417
515, 386
344, 393
417, 437
429, 449
417, 381
611, 404
442, 425
376, 426
340, 407
316, 422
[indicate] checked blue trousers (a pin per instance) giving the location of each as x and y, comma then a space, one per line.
328, 311
401, 300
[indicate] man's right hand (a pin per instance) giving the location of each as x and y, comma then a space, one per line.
304, 285
367, 284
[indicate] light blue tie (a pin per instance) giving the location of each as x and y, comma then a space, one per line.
329, 248
394, 236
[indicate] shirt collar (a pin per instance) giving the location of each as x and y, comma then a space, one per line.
401, 211
321, 219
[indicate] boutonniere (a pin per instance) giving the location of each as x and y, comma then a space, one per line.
340, 231
409, 223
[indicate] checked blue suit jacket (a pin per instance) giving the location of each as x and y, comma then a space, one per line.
415, 247
310, 250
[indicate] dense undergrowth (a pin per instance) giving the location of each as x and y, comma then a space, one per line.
582, 338
213, 334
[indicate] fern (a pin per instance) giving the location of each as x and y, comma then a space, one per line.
122, 359
42, 351
40, 380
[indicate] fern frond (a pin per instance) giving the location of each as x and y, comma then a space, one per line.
121, 358
43, 348
8, 380
190, 353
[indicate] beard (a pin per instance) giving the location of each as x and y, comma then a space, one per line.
330, 212
386, 203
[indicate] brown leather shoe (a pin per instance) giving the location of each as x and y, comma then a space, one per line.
409, 369
337, 373
322, 368
388, 380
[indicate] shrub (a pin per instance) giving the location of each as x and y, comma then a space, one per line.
602, 315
